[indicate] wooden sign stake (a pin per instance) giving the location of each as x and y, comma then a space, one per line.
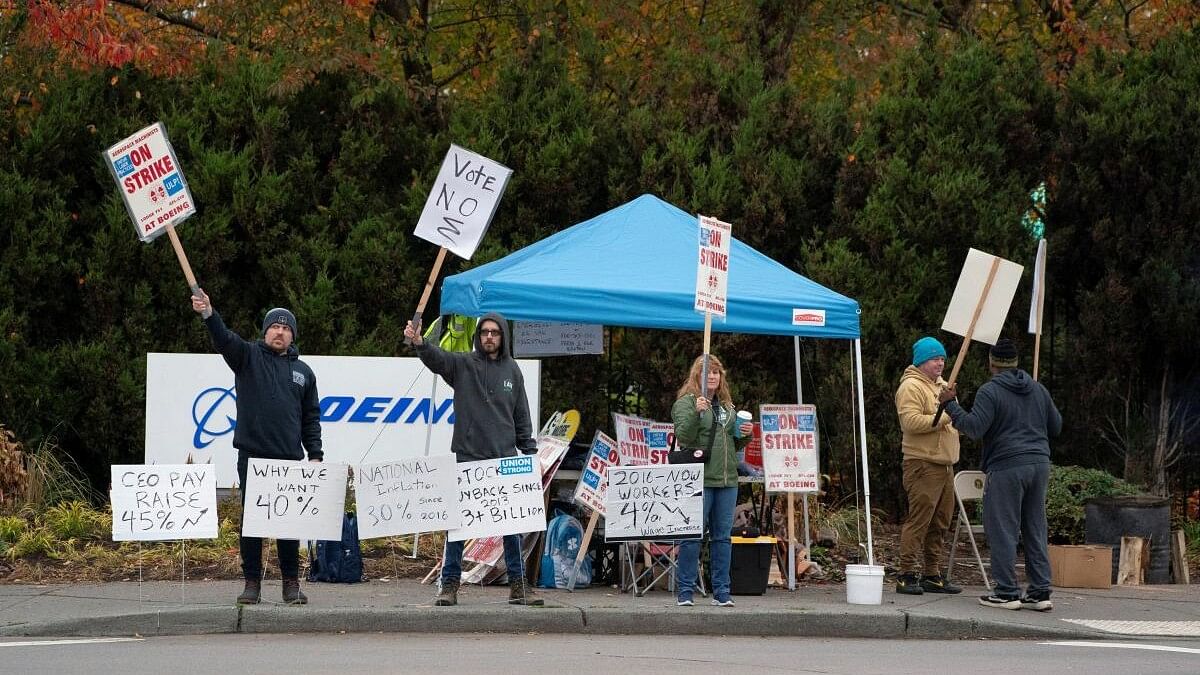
433, 275
583, 548
962, 352
1037, 338
183, 261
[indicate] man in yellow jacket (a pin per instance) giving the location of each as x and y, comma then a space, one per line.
930, 453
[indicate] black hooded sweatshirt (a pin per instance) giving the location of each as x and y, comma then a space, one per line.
277, 405
491, 411
1014, 416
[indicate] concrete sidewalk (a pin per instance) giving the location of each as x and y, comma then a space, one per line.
200, 607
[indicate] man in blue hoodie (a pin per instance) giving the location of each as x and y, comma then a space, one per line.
491, 420
1015, 417
278, 417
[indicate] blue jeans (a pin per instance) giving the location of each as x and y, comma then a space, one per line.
513, 561
718, 520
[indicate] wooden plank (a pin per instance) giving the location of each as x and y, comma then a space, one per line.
1130, 571
1179, 560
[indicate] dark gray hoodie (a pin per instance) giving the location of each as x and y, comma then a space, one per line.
1014, 416
491, 411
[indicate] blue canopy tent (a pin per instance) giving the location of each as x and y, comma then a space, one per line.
636, 266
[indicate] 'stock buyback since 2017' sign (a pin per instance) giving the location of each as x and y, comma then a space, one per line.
498, 497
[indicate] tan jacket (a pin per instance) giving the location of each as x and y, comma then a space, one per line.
916, 403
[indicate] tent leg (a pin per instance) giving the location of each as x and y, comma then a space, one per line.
862, 435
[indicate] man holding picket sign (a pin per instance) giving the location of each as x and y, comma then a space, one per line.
491, 421
279, 417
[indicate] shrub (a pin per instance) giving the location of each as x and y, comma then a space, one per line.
74, 520
11, 528
38, 541
1069, 488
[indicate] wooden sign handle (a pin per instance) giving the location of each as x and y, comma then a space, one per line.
707, 344
583, 549
962, 351
433, 275
1037, 338
183, 261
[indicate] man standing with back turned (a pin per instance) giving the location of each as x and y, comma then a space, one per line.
1015, 417
491, 420
929, 456
278, 417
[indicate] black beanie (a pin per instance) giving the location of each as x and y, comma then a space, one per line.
283, 316
1003, 354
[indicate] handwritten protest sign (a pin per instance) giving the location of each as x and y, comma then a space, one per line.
552, 338
712, 270
791, 460
498, 497
462, 202
294, 500
163, 502
654, 502
593, 482
150, 180
406, 496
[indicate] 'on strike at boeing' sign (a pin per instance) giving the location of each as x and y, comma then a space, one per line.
373, 409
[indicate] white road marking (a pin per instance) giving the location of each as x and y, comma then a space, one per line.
1166, 628
1124, 645
79, 641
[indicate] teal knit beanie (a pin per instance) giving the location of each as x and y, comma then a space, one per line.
927, 348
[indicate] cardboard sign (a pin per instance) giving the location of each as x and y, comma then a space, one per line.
373, 409
968, 295
163, 502
294, 500
642, 441
790, 456
712, 268
551, 338
593, 481
498, 497
462, 202
654, 502
406, 496
151, 182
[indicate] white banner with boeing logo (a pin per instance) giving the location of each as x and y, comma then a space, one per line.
373, 409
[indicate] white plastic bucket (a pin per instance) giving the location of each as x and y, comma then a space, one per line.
864, 584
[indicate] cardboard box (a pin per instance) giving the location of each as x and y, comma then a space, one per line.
1088, 566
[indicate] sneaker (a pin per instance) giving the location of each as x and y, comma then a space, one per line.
937, 584
521, 593
1038, 601
684, 601
252, 594
448, 596
908, 583
727, 602
1000, 602
292, 595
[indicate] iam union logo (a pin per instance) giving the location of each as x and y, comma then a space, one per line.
207, 413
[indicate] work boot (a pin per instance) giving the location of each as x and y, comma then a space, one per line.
252, 593
448, 596
521, 593
909, 583
292, 595
938, 584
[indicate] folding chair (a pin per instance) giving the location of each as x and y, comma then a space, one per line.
660, 559
968, 487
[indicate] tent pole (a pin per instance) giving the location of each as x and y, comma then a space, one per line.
803, 496
862, 434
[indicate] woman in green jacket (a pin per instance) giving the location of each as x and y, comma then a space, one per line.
698, 415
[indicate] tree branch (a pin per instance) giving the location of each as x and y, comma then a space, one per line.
184, 22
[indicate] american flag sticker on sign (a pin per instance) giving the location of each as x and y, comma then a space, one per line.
808, 317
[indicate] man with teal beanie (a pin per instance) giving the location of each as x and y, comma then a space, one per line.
930, 453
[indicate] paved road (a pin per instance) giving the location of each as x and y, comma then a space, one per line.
528, 654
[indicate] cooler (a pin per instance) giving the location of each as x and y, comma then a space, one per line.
750, 564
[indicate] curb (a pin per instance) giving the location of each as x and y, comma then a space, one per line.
549, 620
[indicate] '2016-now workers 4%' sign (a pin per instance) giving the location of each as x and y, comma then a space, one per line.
654, 502
373, 409
151, 182
791, 461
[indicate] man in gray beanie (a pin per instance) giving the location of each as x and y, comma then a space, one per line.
278, 417
1015, 418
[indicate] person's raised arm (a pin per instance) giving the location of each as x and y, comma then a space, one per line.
434, 357
227, 343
